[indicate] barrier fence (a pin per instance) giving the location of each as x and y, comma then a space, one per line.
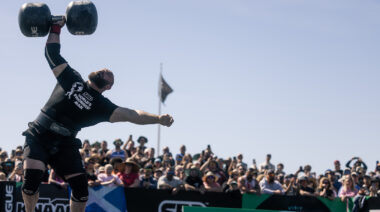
56, 199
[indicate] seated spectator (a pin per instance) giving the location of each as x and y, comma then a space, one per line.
147, 181
233, 187
157, 163
108, 179
57, 180
17, 174
234, 175
130, 175
210, 182
193, 182
348, 188
169, 181
366, 184
303, 187
267, 165
374, 189
117, 165
326, 189
355, 178
269, 185
8, 166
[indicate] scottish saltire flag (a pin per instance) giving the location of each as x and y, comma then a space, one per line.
106, 199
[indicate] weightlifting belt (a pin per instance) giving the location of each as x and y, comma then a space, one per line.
46, 122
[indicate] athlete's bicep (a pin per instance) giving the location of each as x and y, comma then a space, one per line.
59, 69
123, 114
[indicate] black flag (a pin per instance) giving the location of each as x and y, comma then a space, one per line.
165, 89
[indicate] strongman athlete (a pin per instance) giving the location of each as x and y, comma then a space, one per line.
74, 104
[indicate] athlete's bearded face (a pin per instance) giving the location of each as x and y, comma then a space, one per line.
103, 79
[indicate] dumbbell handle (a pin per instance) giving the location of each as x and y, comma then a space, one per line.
56, 18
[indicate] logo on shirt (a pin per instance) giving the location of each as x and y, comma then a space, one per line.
82, 100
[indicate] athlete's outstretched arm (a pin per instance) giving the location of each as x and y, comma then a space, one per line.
52, 50
121, 114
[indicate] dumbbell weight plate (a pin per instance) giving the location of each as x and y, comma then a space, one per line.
34, 19
81, 17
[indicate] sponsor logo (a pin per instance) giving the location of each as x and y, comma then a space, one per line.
9, 198
176, 205
47, 204
81, 100
34, 30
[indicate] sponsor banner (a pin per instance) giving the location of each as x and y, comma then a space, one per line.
106, 198
52, 198
164, 201
7, 196
198, 209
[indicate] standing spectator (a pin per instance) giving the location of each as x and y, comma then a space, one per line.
289, 185
103, 153
117, 152
358, 163
234, 175
193, 182
57, 180
130, 176
157, 174
181, 154
90, 172
251, 184
108, 179
303, 188
117, 165
355, 178
2, 177
326, 189
337, 168
8, 166
333, 178
3, 156
149, 154
348, 189
129, 147
139, 157
169, 181
240, 161
267, 165
142, 141
212, 166
157, 163
17, 174
269, 185
210, 182
180, 172
147, 181
280, 169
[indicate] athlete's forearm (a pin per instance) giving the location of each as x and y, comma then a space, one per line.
134, 116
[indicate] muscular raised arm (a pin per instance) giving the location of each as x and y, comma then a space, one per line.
52, 50
121, 114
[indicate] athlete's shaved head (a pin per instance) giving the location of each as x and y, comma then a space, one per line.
102, 78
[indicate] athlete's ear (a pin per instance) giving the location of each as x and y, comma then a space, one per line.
108, 87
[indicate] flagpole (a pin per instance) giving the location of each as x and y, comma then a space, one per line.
159, 111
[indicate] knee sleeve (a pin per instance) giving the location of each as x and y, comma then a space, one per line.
32, 180
79, 188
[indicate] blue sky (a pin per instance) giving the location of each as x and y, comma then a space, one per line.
295, 78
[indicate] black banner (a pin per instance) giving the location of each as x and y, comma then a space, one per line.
7, 194
52, 199
164, 201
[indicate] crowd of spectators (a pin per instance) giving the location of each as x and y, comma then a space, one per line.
133, 164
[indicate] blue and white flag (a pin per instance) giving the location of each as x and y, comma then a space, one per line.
106, 199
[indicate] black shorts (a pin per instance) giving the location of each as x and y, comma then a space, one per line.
61, 154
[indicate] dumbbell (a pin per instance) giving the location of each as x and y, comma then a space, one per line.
35, 19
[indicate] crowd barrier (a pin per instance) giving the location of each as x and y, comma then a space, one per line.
56, 199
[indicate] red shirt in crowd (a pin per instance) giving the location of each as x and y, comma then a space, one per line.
128, 179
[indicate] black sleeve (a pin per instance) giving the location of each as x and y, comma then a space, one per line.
53, 56
107, 108
69, 79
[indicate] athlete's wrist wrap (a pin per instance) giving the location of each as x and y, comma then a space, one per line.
79, 188
32, 180
55, 28
53, 56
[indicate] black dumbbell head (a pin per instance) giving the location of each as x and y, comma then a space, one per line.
34, 19
81, 18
